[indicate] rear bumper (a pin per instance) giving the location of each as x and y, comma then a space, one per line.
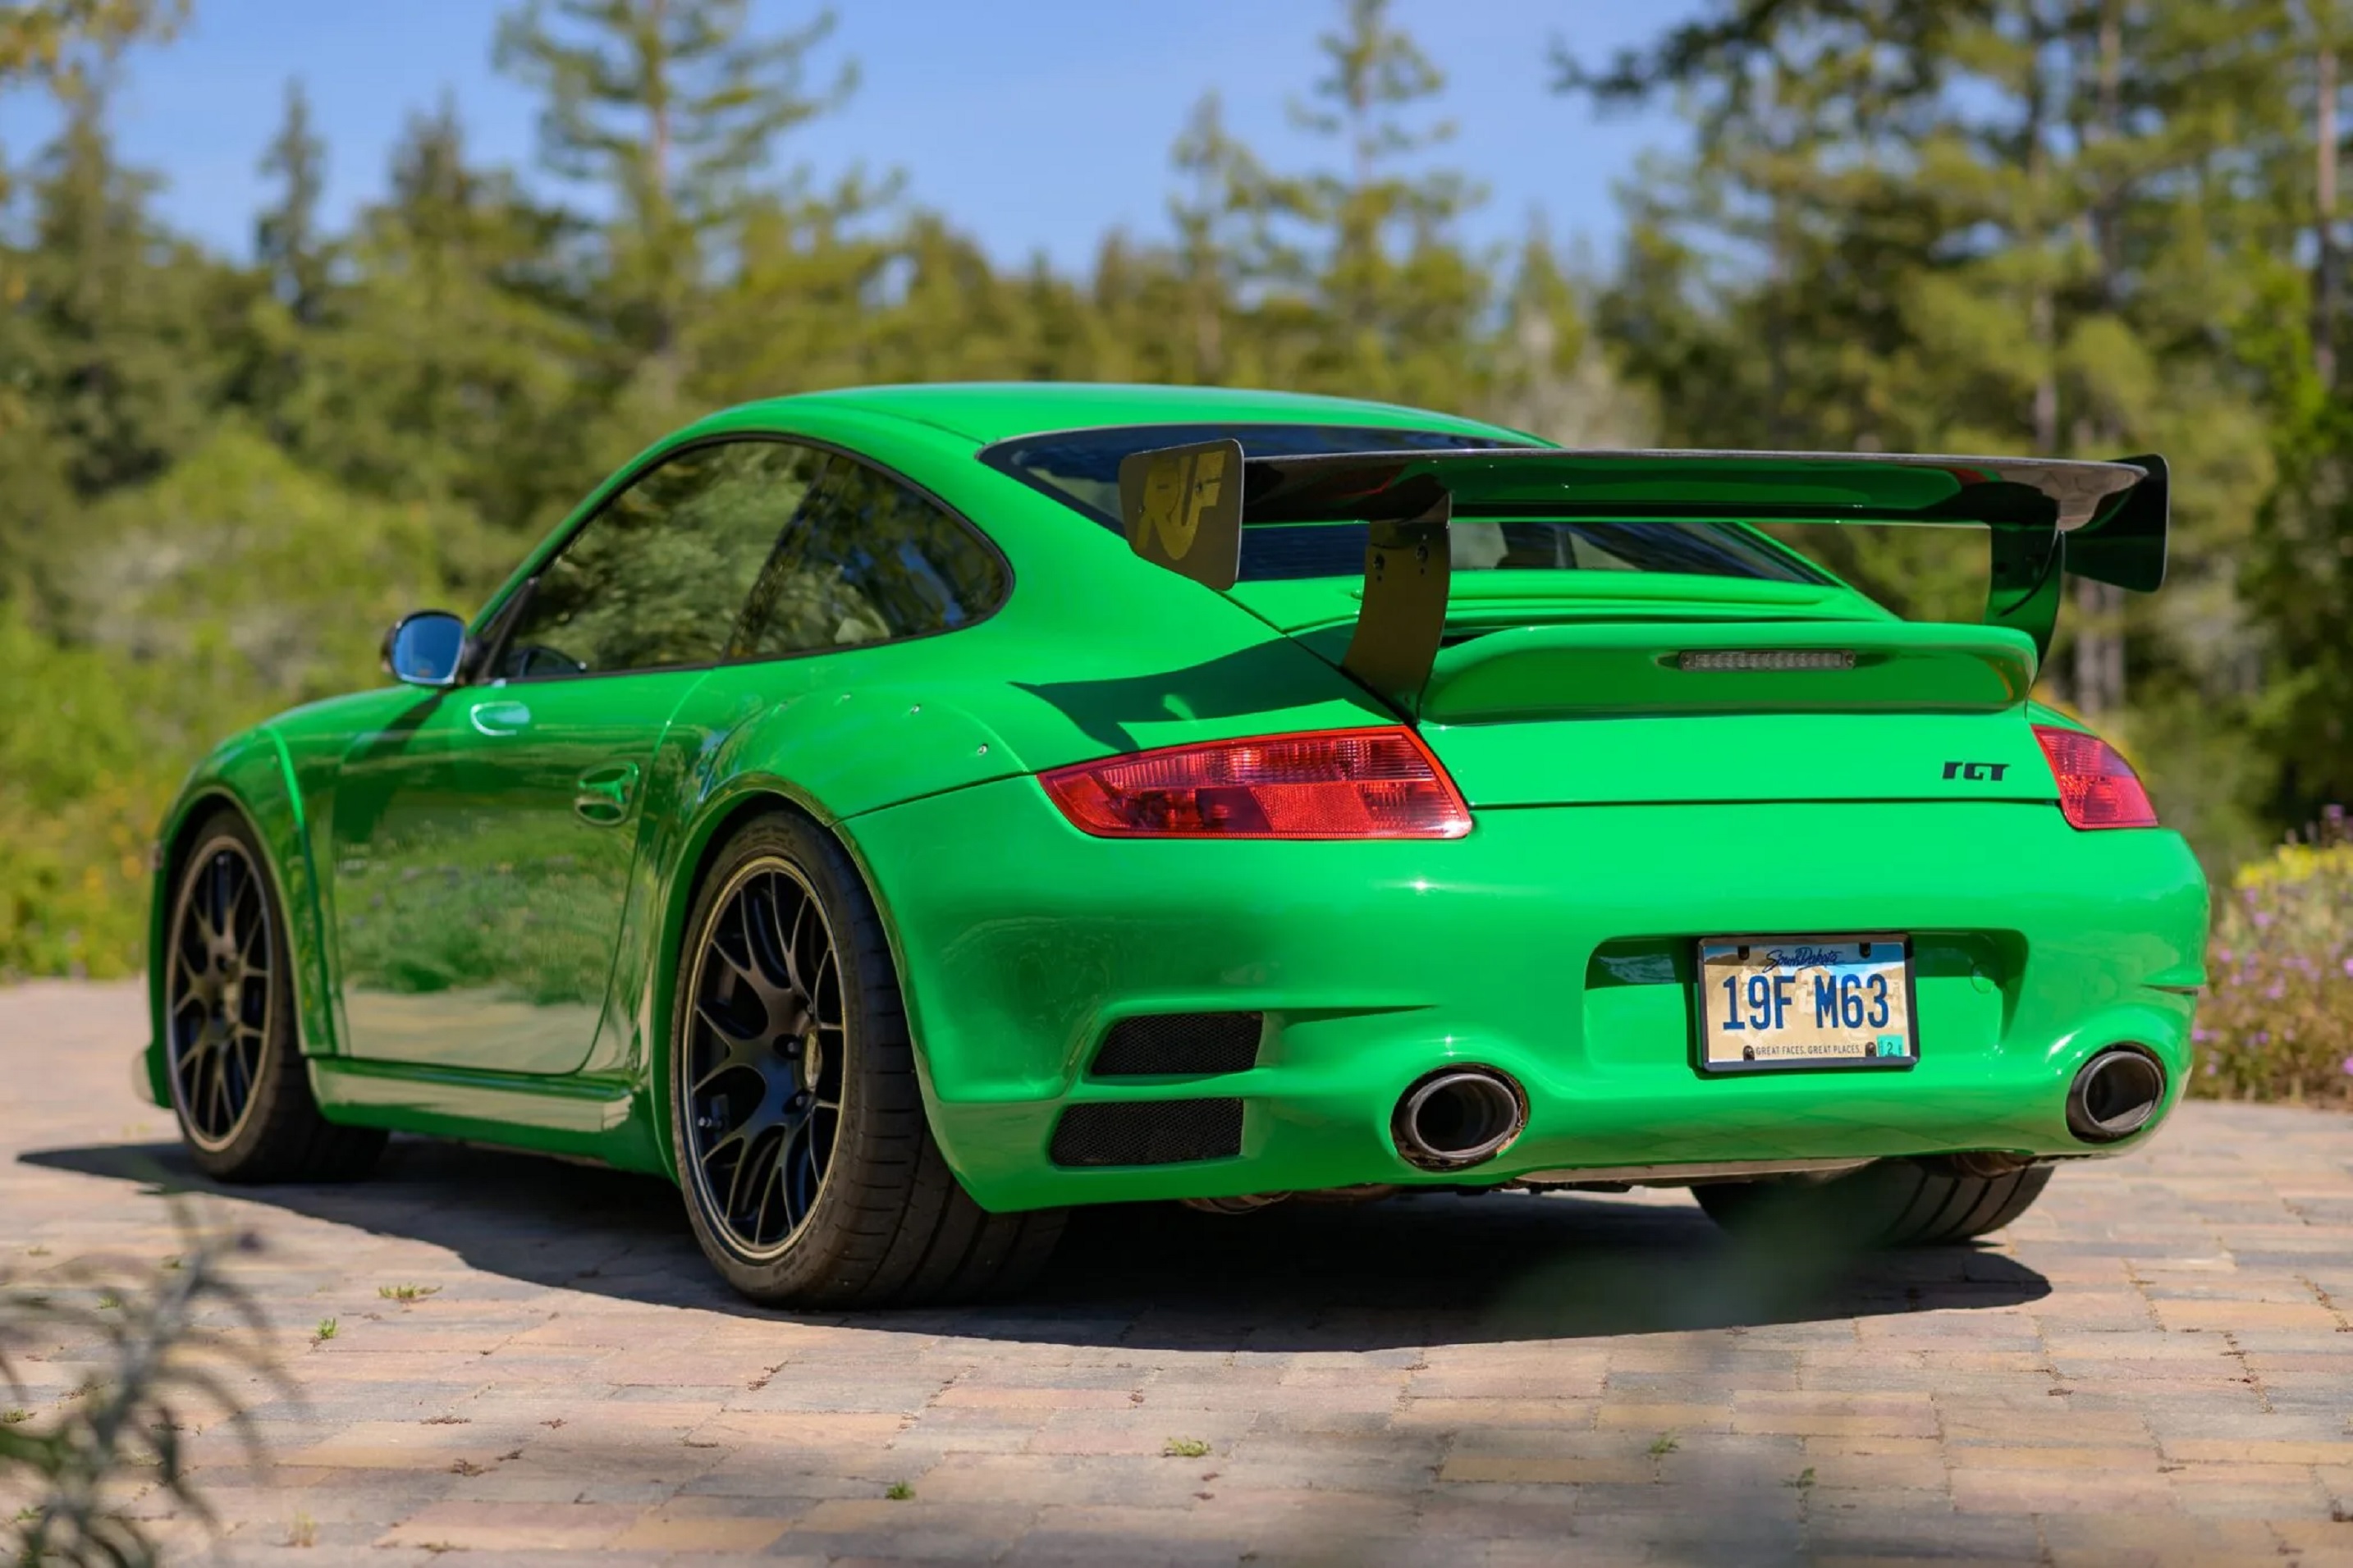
1554, 944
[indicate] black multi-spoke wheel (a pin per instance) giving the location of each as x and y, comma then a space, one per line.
236, 1077
810, 1173
766, 1060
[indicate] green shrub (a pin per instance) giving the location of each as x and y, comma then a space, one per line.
235, 585
2276, 1022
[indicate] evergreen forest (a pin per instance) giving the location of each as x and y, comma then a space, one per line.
2071, 227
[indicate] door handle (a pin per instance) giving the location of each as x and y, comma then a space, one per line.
500, 718
604, 797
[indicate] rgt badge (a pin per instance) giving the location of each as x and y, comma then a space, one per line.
1183, 508
1977, 772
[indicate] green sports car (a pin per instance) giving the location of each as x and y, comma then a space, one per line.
898, 815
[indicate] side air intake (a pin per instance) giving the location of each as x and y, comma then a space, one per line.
1148, 1132
1164, 1044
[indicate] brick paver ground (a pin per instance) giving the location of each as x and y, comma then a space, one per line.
2156, 1365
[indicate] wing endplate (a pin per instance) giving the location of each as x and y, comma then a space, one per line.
1183, 508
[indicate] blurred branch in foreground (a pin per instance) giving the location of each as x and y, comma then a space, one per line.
166, 1334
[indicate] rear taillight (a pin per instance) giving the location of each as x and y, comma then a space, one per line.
1339, 784
2097, 788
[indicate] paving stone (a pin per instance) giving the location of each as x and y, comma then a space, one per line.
2154, 1366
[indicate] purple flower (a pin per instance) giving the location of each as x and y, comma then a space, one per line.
2261, 1037
2263, 919
2348, 1065
2348, 969
2210, 1068
2274, 991
2201, 1036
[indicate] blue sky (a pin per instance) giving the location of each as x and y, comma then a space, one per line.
1035, 124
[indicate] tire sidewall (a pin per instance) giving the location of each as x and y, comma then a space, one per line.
812, 1253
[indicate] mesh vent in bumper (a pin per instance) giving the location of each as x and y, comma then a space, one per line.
1176, 1043
1148, 1132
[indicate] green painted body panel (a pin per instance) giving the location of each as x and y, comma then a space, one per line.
1554, 944
484, 942
482, 847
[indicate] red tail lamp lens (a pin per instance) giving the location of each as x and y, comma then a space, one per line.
1341, 784
2097, 788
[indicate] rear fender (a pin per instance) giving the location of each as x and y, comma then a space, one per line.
827, 753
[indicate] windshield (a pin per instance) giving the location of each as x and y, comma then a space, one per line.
1081, 469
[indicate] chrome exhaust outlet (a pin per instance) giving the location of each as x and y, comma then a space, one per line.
2115, 1095
1459, 1117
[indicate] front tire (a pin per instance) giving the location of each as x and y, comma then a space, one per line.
809, 1170
1889, 1203
240, 1089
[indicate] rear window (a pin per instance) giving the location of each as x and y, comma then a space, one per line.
1081, 469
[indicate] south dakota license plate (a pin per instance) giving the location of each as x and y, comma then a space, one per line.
1804, 1002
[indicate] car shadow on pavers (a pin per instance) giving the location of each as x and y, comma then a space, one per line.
1409, 1271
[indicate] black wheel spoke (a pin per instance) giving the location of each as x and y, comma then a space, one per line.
739, 1050
764, 1057
807, 1169
219, 894
825, 995
794, 937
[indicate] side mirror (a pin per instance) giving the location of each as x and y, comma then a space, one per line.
426, 648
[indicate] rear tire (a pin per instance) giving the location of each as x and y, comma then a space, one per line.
232, 1053
809, 1170
1893, 1203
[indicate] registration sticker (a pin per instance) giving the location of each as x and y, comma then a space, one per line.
1765, 1003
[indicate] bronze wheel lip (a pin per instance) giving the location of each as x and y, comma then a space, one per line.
212, 989
795, 1045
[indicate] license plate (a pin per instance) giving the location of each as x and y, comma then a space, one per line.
1768, 1003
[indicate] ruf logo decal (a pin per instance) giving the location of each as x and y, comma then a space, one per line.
1977, 772
1178, 489
1183, 508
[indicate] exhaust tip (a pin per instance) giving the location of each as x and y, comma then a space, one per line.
1459, 1117
2115, 1095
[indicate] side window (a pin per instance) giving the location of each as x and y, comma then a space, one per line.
868, 561
658, 576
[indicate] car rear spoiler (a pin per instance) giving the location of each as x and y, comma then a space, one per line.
1185, 507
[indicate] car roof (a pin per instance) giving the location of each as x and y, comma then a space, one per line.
984, 412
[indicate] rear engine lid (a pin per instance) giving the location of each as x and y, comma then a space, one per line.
1644, 668
1616, 712
1721, 757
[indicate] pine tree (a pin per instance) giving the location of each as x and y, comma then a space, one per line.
1397, 293
287, 238
2008, 224
1220, 222
111, 323
671, 110
456, 367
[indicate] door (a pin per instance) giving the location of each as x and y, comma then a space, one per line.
481, 891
